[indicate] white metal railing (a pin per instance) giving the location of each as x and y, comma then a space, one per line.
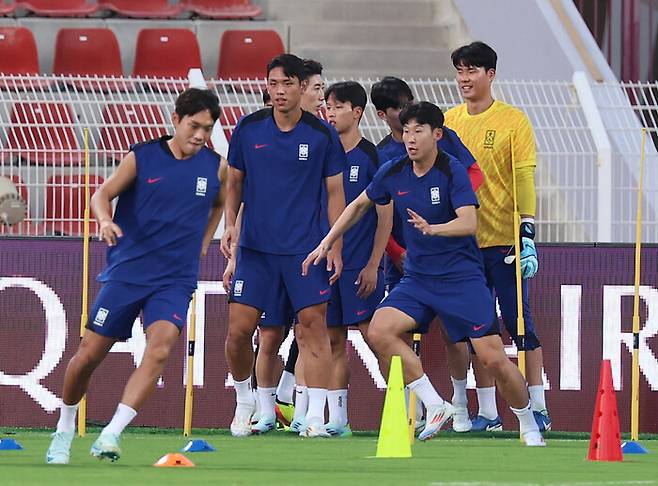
42, 119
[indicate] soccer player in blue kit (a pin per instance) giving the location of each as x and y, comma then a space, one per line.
444, 273
389, 95
279, 158
168, 209
360, 288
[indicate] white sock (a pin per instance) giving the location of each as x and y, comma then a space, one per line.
424, 390
537, 397
526, 419
301, 402
122, 417
487, 402
459, 397
243, 393
66, 422
337, 401
317, 398
266, 397
419, 409
286, 387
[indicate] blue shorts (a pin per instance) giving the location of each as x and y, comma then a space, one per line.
392, 274
345, 307
278, 311
501, 280
465, 306
263, 280
118, 305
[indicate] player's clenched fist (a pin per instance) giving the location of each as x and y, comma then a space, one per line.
109, 232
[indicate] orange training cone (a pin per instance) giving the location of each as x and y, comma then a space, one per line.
174, 459
605, 444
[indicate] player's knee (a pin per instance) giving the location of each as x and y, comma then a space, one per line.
158, 353
269, 343
336, 339
85, 359
495, 363
378, 336
238, 334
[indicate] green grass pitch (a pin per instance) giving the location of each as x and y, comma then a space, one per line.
281, 459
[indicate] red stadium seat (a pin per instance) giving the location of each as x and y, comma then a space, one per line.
245, 53
166, 53
223, 9
87, 52
229, 118
142, 9
126, 124
7, 7
18, 51
59, 8
43, 134
65, 204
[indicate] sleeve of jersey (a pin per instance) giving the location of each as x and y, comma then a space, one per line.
235, 157
525, 188
475, 175
376, 190
525, 151
457, 148
336, 160
461, 192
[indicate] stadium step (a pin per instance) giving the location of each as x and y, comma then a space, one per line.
369, 34
373, 61
408, 12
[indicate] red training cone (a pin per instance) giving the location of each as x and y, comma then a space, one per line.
605, 444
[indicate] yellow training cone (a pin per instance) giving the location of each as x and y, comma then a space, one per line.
393, 434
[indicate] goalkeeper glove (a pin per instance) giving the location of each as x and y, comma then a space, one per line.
529, 261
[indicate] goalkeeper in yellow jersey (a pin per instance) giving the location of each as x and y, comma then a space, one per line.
485, 126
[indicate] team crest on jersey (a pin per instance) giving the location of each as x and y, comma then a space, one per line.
489, 139
435, 195
237, 288
303, 151
354, 173
201, 186
101, 315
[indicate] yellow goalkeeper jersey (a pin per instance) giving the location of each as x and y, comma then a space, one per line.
487, 136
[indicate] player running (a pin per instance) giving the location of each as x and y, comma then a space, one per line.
484, 125
360, 288
444, 274
168, 209
279, 159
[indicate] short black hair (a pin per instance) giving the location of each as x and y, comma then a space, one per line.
311, 68
266, 97
194, 100
477, 54
348, 91
292, 66
389, 93
424, 113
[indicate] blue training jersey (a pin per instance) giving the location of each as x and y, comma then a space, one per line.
390, 149
362, 164
435, 196
163, 216
284, 174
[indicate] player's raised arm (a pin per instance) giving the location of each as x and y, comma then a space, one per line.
352, 214
231, 208
101, 201
465, 224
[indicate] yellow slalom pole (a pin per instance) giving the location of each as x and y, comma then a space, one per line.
635, 376
520, 321
82, 408
189, 388
412, 396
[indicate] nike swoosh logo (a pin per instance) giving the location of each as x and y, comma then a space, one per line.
477, 328
361, 312
260, 146
324, 292
177, 317
153, 180
403, 193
